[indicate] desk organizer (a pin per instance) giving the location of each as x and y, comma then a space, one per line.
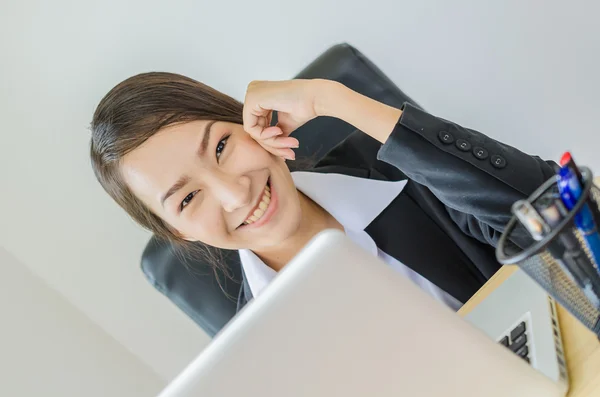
541, 266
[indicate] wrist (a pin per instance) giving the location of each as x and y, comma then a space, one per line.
328, 96
373, 118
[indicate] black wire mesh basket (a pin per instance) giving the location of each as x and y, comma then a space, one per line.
581, 300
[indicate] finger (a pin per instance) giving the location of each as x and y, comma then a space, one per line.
270, 132
262, 123
285, 153
254, 119
251, 124
281, 142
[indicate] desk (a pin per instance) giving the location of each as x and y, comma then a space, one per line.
582, 349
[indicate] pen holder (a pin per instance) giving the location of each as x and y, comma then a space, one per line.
537, 261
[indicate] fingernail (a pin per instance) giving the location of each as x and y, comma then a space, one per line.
288, 157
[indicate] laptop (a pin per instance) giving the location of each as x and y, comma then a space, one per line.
337, 321
520, 316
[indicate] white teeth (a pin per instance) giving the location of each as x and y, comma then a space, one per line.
262, 207
258, 213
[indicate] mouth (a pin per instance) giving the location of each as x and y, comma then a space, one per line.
263, 210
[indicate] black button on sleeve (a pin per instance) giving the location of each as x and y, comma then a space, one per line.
463, 145
446, 137
498, 161
480, 153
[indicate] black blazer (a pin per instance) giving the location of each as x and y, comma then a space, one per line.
447, 220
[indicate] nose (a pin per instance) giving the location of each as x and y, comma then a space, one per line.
232, 191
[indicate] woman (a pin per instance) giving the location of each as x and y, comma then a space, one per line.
191, 164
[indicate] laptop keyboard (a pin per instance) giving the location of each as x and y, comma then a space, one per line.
516, 341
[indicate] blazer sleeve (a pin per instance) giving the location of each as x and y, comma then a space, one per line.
475, 177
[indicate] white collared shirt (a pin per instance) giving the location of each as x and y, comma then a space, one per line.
354, 203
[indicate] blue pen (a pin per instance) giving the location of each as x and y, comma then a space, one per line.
570, 191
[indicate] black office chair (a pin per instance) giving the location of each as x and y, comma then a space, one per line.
209, 298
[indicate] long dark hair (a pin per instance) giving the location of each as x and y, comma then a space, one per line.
132, 112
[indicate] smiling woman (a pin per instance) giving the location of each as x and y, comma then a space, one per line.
173, 153
134, 111
196, 167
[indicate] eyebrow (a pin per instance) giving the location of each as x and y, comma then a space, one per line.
182, 181
206, 138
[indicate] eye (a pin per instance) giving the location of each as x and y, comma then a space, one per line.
187, 200
221, 146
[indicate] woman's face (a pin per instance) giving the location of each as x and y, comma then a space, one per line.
213, 183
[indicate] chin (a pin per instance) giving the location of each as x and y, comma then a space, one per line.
285, 228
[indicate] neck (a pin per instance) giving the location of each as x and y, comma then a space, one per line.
314, 220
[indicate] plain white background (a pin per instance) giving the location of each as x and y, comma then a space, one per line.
524, 72
49, 348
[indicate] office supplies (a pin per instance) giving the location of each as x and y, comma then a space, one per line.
337, 321
538, 258
539, 226
567, 160
530, 219
551, 208
565, 248
570, 193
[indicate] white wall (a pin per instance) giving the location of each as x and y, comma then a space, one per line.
525, 72
49, 348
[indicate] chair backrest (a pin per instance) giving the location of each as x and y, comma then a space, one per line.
211, 299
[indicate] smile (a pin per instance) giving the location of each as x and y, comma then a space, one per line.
263, 210
262, 206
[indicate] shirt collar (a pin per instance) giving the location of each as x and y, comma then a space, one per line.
354, 202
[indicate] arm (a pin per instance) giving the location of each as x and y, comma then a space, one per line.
373, 118
476, 194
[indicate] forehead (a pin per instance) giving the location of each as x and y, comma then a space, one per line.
152, 167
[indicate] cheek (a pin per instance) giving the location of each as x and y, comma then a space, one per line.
205, 225
250, 152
